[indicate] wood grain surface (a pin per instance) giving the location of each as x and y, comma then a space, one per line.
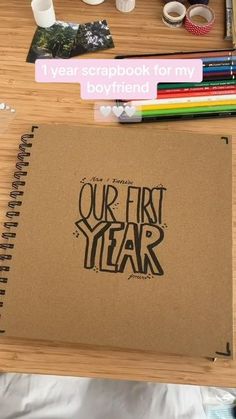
141, 31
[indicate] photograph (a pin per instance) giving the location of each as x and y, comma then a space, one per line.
92, 37
53, 42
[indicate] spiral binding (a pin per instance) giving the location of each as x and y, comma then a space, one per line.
13, 212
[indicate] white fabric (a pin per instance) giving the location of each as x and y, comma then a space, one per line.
51, 397
217, 395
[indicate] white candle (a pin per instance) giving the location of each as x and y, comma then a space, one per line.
93, 2
125, 5
44, 13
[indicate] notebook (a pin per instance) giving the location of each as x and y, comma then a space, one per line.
120, 237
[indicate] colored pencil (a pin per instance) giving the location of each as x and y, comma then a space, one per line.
186, 105
215, 96
219, 59
219, 76
221, 72
196, 89
222, 68
185, 55
161, 86
218, 63
196, 94
184, 117
182, 100
182, 111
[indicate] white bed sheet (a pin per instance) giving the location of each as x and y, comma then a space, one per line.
51, 397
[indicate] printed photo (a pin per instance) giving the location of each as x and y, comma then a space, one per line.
53, 42
92, 37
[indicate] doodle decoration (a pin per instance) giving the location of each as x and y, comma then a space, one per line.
121, 226
9, 234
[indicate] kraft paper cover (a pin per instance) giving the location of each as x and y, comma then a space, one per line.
125, 240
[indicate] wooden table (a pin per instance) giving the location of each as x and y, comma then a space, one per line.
141, 31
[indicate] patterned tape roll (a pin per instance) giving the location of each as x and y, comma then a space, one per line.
170, 8
199, 28
180, 1
199, 2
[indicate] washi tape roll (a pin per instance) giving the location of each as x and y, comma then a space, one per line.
199, 28
180, 1
173, 14
198, 2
